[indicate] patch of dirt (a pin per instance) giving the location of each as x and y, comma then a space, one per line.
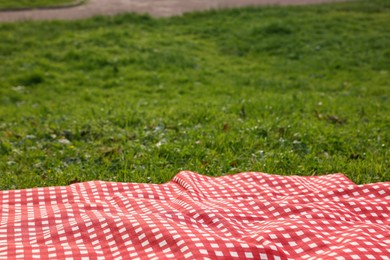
156, 8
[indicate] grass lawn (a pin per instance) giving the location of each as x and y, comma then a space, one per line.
21, 4
292, 90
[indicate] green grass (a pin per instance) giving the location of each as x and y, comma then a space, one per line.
292, 90
23, 4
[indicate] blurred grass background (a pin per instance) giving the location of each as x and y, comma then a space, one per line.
286, 90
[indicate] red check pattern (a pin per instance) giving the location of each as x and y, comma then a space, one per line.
244, 216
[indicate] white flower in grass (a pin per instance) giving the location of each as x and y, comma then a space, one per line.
161, 142
64, 141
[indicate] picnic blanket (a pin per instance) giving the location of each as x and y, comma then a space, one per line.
243, 216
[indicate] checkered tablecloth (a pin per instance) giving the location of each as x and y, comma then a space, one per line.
242, 216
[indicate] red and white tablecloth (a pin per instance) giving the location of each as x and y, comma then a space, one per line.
244, 216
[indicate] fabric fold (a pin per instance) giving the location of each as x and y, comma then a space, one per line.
241, 216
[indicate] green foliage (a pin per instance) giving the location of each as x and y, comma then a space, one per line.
292, 90
25, 4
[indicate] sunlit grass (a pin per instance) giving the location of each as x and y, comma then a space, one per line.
25, 4
297, 90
